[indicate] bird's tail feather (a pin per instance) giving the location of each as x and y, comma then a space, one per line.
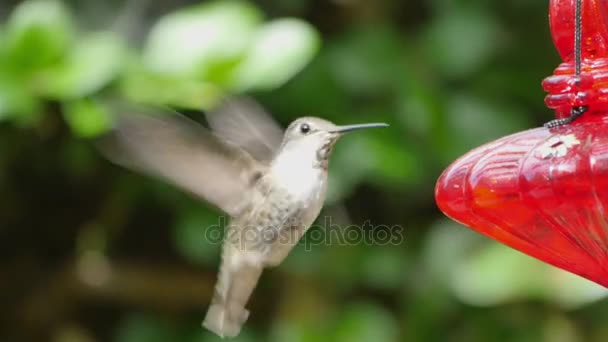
236, 282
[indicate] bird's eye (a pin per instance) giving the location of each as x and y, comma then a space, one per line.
304, 128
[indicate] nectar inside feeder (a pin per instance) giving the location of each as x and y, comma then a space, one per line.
545, 191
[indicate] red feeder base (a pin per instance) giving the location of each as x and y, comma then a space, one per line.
542, 192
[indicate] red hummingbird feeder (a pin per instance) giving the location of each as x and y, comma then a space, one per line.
544, 191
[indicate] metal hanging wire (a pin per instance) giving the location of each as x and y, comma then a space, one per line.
576, 111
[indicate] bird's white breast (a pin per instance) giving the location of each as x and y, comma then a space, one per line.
295, 172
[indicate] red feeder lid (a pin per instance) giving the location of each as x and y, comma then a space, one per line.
565, 89
545, 191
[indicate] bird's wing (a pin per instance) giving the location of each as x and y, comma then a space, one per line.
244, 122
179, 150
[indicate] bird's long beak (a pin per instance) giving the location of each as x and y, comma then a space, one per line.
349, 128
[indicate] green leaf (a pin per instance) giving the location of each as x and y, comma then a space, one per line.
155, 89
17, 103
499, 274
324, 97
472, 120
394, 162
366, 322
86, 118
446, 244
385, 267
38, 34
347, 156
93, 63
368, 58
280, 50
459, 42
198, 236
377, 158
2, 46
196, 40
485, 273
146, 328
287, 331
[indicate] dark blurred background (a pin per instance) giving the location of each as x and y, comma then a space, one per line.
92, 252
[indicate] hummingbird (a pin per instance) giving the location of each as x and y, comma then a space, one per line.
270, 183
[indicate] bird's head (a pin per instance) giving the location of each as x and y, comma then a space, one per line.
312, 138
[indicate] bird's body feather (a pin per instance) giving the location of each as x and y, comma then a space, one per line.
261, 237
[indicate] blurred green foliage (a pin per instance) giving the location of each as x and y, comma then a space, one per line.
191, 58
96, 253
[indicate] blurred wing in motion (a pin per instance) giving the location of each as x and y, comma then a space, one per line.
244, 122
177, 149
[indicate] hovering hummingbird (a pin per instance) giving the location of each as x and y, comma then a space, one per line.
271, 184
